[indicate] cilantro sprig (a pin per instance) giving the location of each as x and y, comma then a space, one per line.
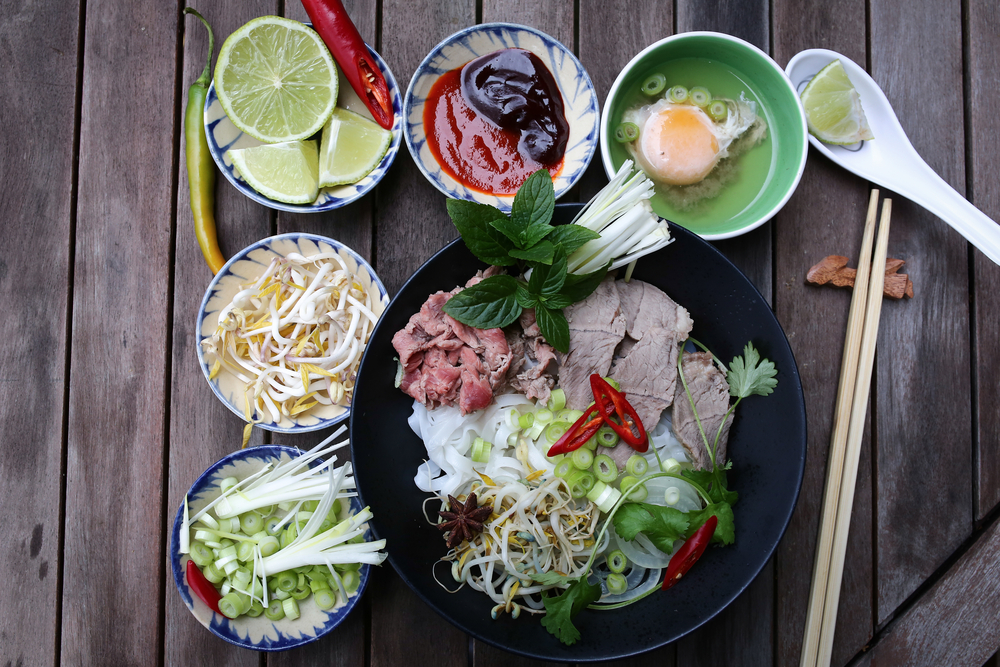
525, 239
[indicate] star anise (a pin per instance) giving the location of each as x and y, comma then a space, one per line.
464, 521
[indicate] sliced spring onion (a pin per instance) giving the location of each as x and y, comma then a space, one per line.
543, 416
567, 414
583, 458
654, 84
256, 609
616, 561
535, 430
481, 450
606, 436
604, 496
201, 554
213, 574
231, 605
636, 465
325, 599
244, 551
605, 468
636, 494
557, 400
291, 608
511, 419
614, 383
671, 465
556, 430
700, 97
617, 584
718, 111
275, 611
671, 495
626, 133
526, 420
678, 95
228, 483
565, 466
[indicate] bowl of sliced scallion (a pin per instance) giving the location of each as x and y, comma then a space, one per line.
269, 548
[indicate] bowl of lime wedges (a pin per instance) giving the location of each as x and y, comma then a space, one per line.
308, 143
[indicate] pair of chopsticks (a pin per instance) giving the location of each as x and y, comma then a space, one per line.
845, 443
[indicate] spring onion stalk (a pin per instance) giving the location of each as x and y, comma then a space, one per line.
185, 546
622, 215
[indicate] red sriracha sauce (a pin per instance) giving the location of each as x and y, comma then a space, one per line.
495, 121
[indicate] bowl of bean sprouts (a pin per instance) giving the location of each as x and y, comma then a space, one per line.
282, 329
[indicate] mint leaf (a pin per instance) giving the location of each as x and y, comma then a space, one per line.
473, 222
542, 252
548, 280
533, 204
561, 609
662, 525
557, 301
553, 326
524, 297
572, 237
749, 375
486, 305
535, 233
510, 229
579, 286
725, 532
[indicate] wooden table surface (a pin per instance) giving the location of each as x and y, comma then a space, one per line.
105, 418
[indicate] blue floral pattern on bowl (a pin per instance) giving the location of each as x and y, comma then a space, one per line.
223, 135
259, 633
579, 101
245, 267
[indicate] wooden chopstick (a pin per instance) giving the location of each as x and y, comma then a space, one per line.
845, 441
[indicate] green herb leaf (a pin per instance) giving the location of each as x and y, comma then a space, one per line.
533, 204
488, 304
535, 233
561, 609
662, 525
548, 280
484, 241
553, 326
572, 237
725, 532
579, 286
542, 252
714, 482
750, 375
524, 297
551, 578
510, 229
557, 301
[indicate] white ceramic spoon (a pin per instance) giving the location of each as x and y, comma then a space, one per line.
890, 159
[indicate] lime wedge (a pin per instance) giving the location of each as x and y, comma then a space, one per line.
276, 80
350, 148
284, 172
833, 107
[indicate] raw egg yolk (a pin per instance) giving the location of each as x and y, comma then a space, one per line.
680, 145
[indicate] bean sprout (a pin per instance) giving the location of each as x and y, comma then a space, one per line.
295, 336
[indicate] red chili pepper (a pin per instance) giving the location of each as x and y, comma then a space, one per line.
630, 429
202, 587
582, 430
690, 552
334, 25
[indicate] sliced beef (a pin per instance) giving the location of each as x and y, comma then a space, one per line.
596, 327
648, 374
531, 370
645, 306
710, 392
446, 362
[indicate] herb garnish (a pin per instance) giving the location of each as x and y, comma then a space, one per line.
525, 239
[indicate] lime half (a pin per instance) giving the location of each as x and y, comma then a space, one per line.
285, 172
276, 80
833, 107
351, 147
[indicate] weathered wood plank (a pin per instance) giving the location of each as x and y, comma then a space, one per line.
825, 216
411, 224
120, 334
39, 44
984, 115
955, 622
923, 389
202, 429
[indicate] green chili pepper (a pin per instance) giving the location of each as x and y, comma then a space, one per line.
200, 166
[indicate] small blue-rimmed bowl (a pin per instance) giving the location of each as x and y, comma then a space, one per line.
579, 102
245, 267
223, 135
260, 634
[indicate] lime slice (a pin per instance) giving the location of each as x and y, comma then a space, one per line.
351, 147
833, 107
276, 80
285, 172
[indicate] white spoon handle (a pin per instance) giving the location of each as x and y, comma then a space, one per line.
922, 184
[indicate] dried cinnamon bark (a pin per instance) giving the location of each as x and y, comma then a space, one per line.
833, 270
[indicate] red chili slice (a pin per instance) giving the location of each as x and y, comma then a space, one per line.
690, 552
582, 430
630, 429
202, 587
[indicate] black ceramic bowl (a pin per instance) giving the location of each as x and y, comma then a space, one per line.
767, 446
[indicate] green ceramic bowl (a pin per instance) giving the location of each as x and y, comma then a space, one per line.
764, 177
